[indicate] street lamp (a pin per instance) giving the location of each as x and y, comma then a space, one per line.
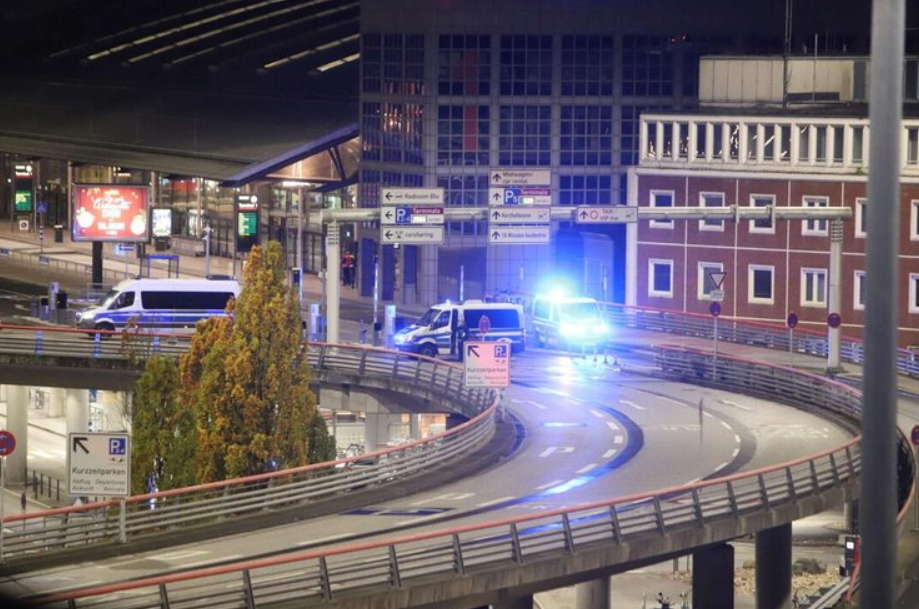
207, 250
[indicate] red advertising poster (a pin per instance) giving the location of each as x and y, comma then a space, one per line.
110, 212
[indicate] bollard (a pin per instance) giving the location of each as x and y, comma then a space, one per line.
38, 336
363, 333
156, 344
97, 344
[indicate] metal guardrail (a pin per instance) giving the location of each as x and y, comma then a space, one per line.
320, 577
120, 520
47, 261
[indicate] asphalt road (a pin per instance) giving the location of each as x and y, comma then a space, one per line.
594, 431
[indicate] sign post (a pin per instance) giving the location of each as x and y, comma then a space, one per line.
7, 446
792, 323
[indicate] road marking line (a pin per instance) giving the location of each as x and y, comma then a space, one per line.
726, 426
413, 520
610, 453
552, 449
721, 467
618, 440
208, 562
631, 404
543, 487
598, 414
442, 498
737, 438
708, 414
613, 426
736, 405
322, 540
586, 468
494, 501
735, 453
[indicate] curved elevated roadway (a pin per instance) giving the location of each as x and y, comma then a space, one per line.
593, 431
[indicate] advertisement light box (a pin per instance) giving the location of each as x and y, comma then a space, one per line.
110, 212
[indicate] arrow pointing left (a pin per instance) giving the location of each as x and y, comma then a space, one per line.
78, 441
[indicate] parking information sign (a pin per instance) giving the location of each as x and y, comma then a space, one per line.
99, 464
487, 364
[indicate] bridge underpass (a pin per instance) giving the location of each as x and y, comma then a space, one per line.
684, 406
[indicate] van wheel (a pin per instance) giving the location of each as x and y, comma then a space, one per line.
428, 350
107, 327
540, 341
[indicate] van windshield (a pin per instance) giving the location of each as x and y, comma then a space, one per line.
429, 316
106, 301
579, 310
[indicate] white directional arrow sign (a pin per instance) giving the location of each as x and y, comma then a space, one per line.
412, 234
398, 196
507, 235
605, 214
519, 215
487, 364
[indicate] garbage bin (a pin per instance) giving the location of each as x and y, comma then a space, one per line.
58, 233
60, 300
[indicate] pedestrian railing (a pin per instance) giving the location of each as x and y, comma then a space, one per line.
449, 563
122, 520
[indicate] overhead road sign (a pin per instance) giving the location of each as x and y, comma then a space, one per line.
519, 215
395, 196
487, 364
606, 214
520, 177
412, 234
521, 235
99, 464
520, 196
412, 214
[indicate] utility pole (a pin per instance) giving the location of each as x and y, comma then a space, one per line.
207, 250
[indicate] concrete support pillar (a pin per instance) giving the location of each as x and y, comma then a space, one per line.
713, 586
378, 429
415, 426
76, 410
773, 568
593, 594
114, 415
2, 393
333, 281
515, 602
17, 423
56, 407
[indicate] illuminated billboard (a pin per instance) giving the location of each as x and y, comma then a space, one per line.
110, 212
23, 188
162, 221
246, 222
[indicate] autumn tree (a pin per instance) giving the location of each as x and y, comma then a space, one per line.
164, 436
249, 378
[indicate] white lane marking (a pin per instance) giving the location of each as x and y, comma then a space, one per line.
722, 466
166, 556
322, 540
413, 520
586, 468
494, 501
538, 405
208, 562
543, 487
444, 497
736, 405
726, 426
610, 453
736, 438
631, 404
618, 440
531, 402
554, 392
598, 414
708, 414
694, 480
613, 426
556, 449
735, 453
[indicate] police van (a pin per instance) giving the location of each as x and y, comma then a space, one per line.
160, 305
568, 322
445, 327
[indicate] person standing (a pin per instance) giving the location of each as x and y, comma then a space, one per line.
347, 268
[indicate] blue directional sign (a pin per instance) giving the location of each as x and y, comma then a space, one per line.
42, 207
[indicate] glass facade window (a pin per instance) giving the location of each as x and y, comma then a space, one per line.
464, 65
661, 274
462, 135
861, 218
586, 135
711, 199
585, 190
762, 226
525, 135
914, 221
815, 228
526, 65
646, 66
465, 191
392, 64
859, 295
760, 284
661, 199
813, 287
392, 132
913, 293
587, 65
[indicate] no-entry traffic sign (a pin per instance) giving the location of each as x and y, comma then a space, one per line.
715, 309
7, 443
792, 319
833, 320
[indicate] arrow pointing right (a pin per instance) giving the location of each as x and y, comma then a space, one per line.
472, 350
78, 441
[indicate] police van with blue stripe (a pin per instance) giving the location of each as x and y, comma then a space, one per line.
160, 305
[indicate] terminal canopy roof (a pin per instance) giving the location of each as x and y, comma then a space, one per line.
229, 90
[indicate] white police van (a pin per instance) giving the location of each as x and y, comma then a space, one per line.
444, 327
568, 322
160, 305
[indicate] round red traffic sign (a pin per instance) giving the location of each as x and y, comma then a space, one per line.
7, 443
792, 319
484, 325
833, 320
715, 309
914, 435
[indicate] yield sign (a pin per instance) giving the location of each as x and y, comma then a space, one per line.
717, 278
